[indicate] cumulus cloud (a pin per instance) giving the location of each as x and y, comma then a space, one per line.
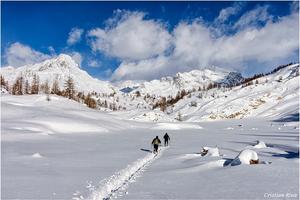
143, 70
74, 36
18, 54
129, 36
194, 46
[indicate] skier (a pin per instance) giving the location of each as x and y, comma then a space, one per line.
166, 138
155, 142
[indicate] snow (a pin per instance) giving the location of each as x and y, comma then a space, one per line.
36, 155
88, 164
186, 80
59, 68
267, 98
176, 126
211, 151
260, 144
61, 149
271, 99
153, 116
117, 183
245, 157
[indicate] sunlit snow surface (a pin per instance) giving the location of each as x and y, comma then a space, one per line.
63, 150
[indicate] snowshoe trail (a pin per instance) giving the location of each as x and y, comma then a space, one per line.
116, 185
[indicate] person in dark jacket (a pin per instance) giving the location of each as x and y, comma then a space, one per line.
155, 142
166, 138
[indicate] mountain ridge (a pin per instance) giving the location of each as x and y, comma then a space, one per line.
188, 96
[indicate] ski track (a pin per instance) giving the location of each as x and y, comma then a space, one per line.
116, 185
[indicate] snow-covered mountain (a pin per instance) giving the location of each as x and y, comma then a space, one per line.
169, 86
273, 94
63, 66
59, 68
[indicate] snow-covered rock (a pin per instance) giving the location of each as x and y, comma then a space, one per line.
210, 151
245, 157
260, 145
36, 155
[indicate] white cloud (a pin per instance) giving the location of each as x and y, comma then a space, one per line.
294, 6
129, 36
77, 57
193, 43
144, 69
51, 50
275, 41
226, 13
94, 63
74, 36
253, 17
18, 54
194, 46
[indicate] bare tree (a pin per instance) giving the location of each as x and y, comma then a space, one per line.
70, 88
90, 102
55, 87
35, 86
17, 88
27, 87
46, 87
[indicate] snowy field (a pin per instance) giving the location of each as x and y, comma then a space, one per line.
63, 150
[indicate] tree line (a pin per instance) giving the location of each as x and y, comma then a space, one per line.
21, 86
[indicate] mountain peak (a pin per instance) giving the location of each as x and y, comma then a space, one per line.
66, 60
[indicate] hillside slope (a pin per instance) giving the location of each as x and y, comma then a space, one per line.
59, 68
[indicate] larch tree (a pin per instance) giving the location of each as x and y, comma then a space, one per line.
27, 87
70, 88
2, 81
17, 88
55, 87
35, 84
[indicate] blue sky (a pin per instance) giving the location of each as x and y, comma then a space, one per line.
145, 40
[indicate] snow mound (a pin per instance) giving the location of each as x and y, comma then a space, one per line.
175, 126
36, 155
260, 145
229, 128
245, 157
210, 151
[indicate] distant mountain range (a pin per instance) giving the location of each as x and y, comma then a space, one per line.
208, 94
63, 66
